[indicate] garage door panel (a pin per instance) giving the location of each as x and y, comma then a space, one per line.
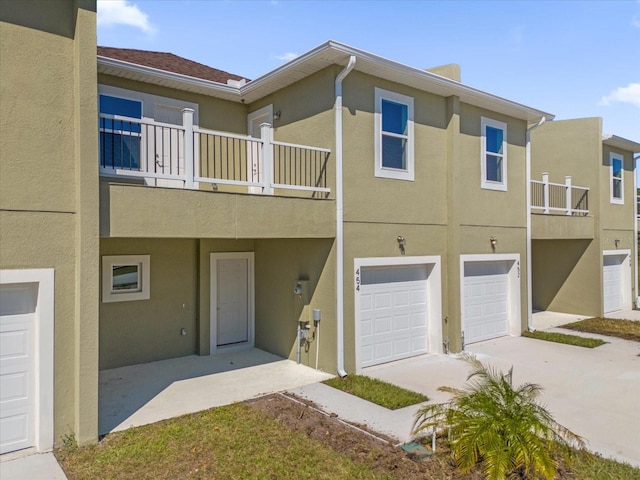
612, 272
394, 301
486, 300
17, 367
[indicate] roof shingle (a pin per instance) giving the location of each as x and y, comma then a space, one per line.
168, 62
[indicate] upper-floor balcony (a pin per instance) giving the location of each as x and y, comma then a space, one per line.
187, 156
263, 188
561, 210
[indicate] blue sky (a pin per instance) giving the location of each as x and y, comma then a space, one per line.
571, 58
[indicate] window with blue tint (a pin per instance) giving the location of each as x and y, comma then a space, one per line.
617, 179
494, 139
493, 156
394, 135
120, 139
394, 117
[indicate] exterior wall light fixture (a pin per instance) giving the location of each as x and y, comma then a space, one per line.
494, 242
276, 115
402, 242
617, 242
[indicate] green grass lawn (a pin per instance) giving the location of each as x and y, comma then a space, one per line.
564, 338
626, 329
240, 442
376, 391
232, 442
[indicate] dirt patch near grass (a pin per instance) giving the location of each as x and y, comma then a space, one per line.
362, 447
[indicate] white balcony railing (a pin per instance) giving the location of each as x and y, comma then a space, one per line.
563, 198
186, 156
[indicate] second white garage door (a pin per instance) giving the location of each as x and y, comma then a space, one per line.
485, 300
616, 280
393, 313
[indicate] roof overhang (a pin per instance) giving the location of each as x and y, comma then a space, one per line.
325, 55
621, 143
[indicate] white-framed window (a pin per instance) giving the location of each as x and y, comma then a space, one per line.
393, 135
617, 178
120, 140
125, 278
493, 158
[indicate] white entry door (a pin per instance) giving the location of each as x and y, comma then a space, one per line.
485, 300
17, 366
231, 299
393, 313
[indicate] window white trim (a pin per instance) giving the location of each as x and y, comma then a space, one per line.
143, 292
385, 172
490, 184
618, 200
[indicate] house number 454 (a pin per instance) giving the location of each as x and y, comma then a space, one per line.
358, 279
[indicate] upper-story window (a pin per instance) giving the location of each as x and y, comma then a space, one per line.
120, 139
394, 135
493, 154
617, 178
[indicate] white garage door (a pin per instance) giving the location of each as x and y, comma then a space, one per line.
393, 313
486, 300
17, 366
612, 282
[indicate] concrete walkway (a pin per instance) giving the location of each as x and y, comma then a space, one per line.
593, 392
147, 393
40, 466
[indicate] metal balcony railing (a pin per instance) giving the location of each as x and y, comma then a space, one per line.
561, 198
187, 156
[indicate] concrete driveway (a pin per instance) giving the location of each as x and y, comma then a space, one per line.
593, 392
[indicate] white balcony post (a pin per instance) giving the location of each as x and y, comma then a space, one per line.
567, 182
545, 191
187, 123
266, 134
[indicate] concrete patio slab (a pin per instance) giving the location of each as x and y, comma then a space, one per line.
625, 315
543, 320
594, 392
147, 393
39, 466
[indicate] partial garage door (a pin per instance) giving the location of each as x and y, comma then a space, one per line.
17, 366
393, 313
612, 282
486, 300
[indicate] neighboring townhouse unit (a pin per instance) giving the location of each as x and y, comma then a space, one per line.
49, 245
166, 208
584, 247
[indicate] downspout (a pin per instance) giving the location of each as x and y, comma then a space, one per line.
528, 197
635, 226
339, 217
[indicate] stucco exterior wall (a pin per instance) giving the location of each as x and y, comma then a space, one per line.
144, 331
279, 265
567, 276
48, 185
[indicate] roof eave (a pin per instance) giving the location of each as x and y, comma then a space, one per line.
621, 143
152, 75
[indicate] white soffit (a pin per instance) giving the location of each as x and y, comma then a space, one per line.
329, 53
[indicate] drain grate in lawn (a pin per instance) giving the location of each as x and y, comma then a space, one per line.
376, 391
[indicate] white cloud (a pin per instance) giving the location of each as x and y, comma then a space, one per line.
635, 21
123, 12
629, 94
287, 56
